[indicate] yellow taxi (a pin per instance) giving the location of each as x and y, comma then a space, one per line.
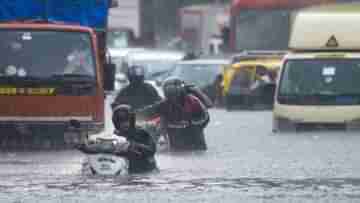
250, 80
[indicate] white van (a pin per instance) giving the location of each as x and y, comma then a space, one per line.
319, 81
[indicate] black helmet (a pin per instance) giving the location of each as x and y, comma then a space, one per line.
174, 88
121, 115
136, 74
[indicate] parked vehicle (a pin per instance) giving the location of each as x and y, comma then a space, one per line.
202, 72
52, 73
135, 15
199, 27
250, 80
261, 25
158, 63
318, 85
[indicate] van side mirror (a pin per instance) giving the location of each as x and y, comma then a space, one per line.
109, 76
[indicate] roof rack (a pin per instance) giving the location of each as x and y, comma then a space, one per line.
256, 54
263, 52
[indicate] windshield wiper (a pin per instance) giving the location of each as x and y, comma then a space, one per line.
17, 79
74, 77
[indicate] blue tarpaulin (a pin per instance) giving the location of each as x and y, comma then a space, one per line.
91, 13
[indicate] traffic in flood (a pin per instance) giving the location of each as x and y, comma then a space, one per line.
245, 161
232, 101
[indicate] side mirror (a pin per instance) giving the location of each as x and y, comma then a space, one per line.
109, 76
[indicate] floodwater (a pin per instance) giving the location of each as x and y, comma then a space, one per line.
245, 162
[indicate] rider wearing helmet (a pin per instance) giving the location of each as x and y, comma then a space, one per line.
140, 147
183, 117
138, 93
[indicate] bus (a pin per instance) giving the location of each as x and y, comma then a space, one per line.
264, 24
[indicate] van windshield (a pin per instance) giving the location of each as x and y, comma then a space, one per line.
320, 82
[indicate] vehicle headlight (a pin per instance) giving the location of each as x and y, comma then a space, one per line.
11, 70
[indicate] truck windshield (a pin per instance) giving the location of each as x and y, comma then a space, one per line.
45, 54
320, 82
262, 29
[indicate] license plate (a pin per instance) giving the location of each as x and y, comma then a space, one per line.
105, 167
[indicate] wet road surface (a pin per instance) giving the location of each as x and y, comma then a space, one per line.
245, 162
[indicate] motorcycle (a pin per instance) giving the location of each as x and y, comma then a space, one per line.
102, 157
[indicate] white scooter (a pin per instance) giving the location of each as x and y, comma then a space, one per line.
102, 158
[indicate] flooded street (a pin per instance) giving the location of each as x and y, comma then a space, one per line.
60, 58
245, 162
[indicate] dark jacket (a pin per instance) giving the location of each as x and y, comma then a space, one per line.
137, 95
190, 113
198, 93
141, 151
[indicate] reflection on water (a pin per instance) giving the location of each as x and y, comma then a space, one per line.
253, 187
245, 163
42, 177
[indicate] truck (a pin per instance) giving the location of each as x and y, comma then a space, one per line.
264, 24
318, 86
54, 71
135, 16
201, 27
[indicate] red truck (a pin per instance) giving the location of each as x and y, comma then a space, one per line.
53, 71
264, 24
